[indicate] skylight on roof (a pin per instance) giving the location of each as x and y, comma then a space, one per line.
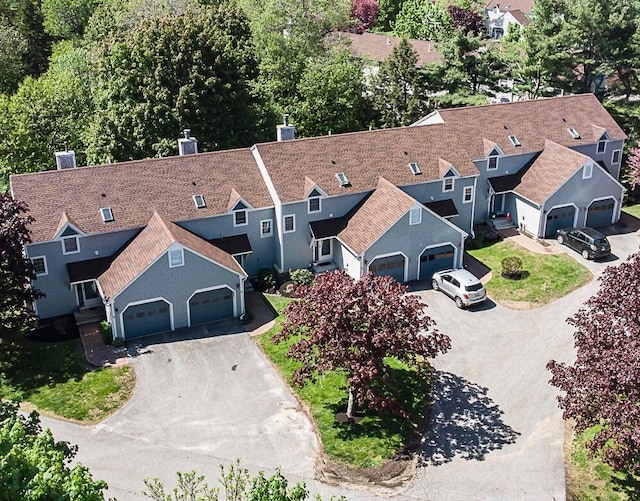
199, 201
514, 140
107, 214
574, 133
342, 179
415, 170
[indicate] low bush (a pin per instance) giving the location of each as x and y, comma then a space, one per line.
105, 330
266, 280
302, 276
512, 267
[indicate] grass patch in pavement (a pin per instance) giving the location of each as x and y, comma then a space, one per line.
591, 479
546, 277
55, 378
633, 210
375, 438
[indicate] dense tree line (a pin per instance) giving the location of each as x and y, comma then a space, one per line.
119, 79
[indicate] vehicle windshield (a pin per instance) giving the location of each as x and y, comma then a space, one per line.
473, 287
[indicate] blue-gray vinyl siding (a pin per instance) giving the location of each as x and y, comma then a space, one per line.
297, 251
61, 297
177, 285
263, 254
604, 157
583, 192
413, 240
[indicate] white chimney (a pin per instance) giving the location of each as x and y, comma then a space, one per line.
65, 159
286, 132
187, 145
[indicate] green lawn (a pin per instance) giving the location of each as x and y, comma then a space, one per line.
374, 439
589, 479
547, 277
634, 210
55, 378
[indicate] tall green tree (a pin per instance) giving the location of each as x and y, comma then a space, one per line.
47, 114
29, 21
331, 96
64, 19
189, 71
35, 467
13, 48
423, 20
399, 88
287, 34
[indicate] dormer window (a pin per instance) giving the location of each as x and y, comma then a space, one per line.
574, 133
514, 141
199, 201
602, 144
70, 245
240, 215
447, 184
342, 179
415, 170
107, 214
314, 204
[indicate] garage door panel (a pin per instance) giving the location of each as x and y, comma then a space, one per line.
558, 218
146, 319
211, 306
436, 259
391, 265
600, 213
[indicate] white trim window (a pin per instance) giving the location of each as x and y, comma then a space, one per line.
266, 228
415, 216
314, 205
447, 184
240, 218
492, 162
70, 245
602, 145
467, 194
587, 171
615, 156
289, 223
39, 265
176, 258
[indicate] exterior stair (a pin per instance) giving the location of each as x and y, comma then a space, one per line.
502, 223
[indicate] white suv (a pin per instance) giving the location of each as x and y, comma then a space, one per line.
461, 285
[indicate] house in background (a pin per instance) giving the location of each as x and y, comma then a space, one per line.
500, 18
167, 243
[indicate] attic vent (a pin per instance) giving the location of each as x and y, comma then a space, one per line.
415, 170
199, 201
342, 179
65, 159
514, 140
107, 214
574, 133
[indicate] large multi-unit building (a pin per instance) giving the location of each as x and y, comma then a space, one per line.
167, 243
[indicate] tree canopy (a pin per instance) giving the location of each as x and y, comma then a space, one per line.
602, 387
352, 327
35, 466
16, 270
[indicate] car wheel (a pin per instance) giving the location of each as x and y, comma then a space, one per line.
459, 303
585, 254
434, 284
560, 239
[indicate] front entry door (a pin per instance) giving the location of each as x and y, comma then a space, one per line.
323, 251
88, 296
497, 202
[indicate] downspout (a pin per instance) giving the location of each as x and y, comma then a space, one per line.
473, 207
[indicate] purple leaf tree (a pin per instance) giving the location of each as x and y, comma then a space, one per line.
467, 20
634, 167
603, 386
352, 326
16, 270
365, 14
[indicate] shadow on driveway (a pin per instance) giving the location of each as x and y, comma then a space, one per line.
465, 423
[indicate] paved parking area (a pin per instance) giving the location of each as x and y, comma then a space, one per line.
496, 432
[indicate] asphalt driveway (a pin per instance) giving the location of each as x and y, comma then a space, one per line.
496, 432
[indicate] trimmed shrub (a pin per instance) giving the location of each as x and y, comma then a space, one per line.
302, 276
512, 267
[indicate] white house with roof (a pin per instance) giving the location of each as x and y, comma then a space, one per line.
502, 18
163, 244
